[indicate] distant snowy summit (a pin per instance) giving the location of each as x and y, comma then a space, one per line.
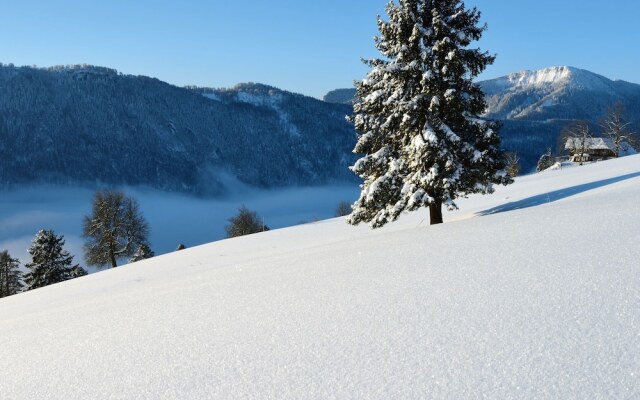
556, 93
553, 76
525, 91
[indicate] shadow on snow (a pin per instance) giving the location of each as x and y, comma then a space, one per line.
555, 195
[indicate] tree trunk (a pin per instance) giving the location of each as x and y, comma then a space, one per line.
435, 212
112, 256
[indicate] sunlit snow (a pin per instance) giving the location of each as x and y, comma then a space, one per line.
530, 293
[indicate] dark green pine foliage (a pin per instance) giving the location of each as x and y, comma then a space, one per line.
10, 275
50, 263
417, 113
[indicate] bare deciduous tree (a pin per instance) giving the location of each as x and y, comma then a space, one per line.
513, 164
617, 129
115, 228
245, 222
343, 209
579, 134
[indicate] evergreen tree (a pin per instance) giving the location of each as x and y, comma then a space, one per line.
77, 271
10, 275
417, 113
142, 253
50, 263
115, 228
545, 161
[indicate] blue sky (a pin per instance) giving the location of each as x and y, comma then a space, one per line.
305, 46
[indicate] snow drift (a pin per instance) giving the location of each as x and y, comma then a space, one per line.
533, 292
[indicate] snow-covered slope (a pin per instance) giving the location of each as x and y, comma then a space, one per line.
556, 92
532, 293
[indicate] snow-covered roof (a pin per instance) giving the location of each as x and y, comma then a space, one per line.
591, 143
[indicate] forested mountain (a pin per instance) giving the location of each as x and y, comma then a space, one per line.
534, 106
93, 125
340, 96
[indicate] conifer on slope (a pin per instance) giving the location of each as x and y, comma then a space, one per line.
10, 275
417, 113
50, 263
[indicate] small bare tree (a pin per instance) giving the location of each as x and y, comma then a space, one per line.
579, 135
617, 129
343, 209
512, 164
245, 222
115, 228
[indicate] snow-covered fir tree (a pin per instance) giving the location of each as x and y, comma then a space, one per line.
10, 275
50, 263
417, 113
142, 253
545, 161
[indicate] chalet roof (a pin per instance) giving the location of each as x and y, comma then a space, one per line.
591, 144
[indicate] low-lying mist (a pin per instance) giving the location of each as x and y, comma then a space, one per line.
173, 218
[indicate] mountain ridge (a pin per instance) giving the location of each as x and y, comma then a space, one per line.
548, 87
94, 126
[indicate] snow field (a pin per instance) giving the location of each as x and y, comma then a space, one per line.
533, 292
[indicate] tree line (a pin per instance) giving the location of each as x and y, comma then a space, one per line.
50, 263
114, 230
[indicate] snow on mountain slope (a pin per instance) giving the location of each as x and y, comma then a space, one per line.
533, 292
533, 94
554, 77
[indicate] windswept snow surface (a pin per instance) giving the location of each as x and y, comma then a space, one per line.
532, 293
